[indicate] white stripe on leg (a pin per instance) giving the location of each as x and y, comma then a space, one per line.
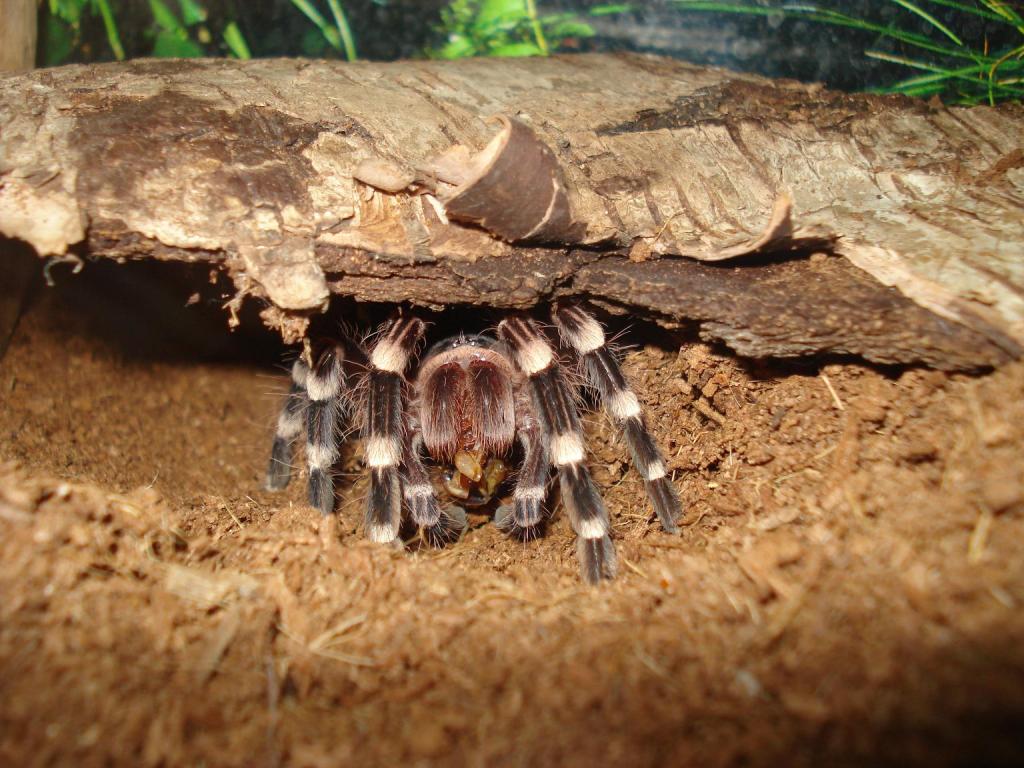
382, 452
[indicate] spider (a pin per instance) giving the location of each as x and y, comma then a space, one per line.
469, 400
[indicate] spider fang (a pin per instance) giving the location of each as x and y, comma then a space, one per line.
469, 464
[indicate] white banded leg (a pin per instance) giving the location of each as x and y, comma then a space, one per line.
524, 520
585, 336
440, 526
384, 426
324, 388
560, 425
289, 426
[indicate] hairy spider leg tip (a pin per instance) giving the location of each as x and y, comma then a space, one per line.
597, 559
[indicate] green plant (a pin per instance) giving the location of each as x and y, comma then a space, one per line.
509, 28
190, 36
338, 36
957, 71
62, 30
187, 36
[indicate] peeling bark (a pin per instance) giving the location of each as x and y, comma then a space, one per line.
603, 176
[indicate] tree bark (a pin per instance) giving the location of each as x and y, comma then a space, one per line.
783, 218
17, 52
18, 34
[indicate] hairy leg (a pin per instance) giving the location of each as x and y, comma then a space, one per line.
325, 383
317, 396
584, 335
526, 514
289, 427
384, 425
562, 431
440, 526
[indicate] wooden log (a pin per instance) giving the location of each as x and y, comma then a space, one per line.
629, 180
18, 34
17, 52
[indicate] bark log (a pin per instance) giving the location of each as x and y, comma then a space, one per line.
17, 52
649, 185
18, 34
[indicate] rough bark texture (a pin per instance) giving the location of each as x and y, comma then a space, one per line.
17, 52
18, 34
606, 177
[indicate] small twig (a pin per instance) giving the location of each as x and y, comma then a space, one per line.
326, 639
1002, 597
346, 658
832, 391
708, 411
824, 453
790, 475
645, 658
979, 536
235, 518
633, 567
664, 226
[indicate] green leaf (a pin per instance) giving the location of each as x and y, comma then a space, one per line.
313, 44
332, 37
960, 72
192, 12
1003, 8
500, 11
516, 49
169, 46
58, 41
344, 30
68, 10
972, 10
236, 41
330, 33
458, 47
565, 29
555, 18
110, 26
605, 10
165, 18
930, 19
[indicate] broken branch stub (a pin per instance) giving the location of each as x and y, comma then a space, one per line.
389, 182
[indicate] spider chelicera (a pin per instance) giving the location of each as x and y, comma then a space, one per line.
466, 403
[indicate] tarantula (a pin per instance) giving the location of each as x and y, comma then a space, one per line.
470, 399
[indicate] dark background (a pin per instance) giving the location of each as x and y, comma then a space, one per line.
396, 29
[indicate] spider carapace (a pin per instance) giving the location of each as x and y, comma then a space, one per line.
462, 408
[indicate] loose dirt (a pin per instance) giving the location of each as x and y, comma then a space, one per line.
847, 588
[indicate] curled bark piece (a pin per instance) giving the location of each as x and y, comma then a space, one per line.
516, 190
778, 229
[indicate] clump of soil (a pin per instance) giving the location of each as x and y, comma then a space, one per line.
847, 588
